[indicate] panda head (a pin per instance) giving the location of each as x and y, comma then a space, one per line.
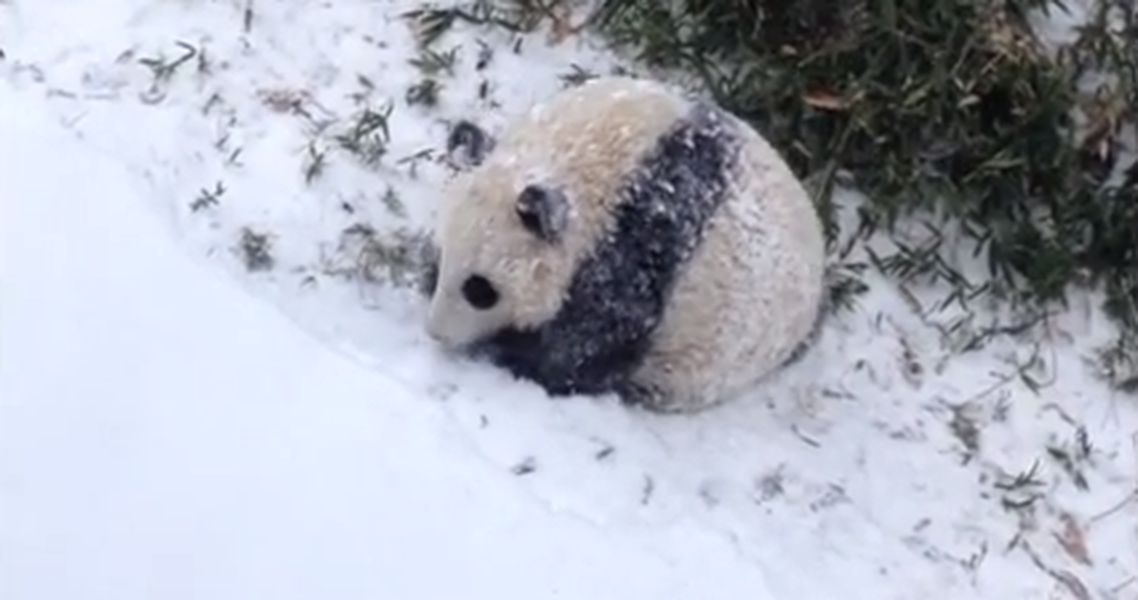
528, 207
504, 243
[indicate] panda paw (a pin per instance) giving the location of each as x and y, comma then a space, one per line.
642, 396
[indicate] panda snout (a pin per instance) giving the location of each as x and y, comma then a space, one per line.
435, 331
441, 330
453, 327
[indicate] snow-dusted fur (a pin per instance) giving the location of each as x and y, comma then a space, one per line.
634, 240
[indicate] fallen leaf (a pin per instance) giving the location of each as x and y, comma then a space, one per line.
825, 101
1072, 540
282, 100
562, 26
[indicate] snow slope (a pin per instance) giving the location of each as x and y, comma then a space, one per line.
166, 435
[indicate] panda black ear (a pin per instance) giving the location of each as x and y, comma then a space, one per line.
543, 211
468, 144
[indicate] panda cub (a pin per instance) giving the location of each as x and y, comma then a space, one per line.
625, 238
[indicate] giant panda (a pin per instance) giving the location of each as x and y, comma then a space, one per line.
625, 237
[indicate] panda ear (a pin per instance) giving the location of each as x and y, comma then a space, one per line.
543, 211
468, 144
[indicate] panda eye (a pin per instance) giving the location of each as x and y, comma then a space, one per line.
479, 292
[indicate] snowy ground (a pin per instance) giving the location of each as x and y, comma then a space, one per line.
191, 413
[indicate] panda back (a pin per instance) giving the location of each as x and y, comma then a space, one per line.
750, 294
652, 220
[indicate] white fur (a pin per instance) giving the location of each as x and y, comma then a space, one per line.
747, 298
584, 138
751, 293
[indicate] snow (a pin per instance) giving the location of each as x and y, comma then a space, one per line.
176, 425
141, 458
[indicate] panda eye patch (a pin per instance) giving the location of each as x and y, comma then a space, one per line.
479, 292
